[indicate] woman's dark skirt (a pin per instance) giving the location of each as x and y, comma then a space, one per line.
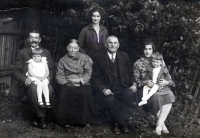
75, 106
155, 103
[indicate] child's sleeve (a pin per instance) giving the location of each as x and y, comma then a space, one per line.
167, 76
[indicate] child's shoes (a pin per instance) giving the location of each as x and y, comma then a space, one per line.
158, 130
48, 105
41, 105
142, 103
164, 129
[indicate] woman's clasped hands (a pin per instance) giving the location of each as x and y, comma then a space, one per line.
74, 82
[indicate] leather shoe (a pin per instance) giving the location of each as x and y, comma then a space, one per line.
41, 105
124, 129
116, 130
35, 123
48, 106
42, 123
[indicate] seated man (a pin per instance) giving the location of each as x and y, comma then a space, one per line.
21, 68
114, 83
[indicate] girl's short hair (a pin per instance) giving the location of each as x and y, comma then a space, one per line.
37, 51
157, 56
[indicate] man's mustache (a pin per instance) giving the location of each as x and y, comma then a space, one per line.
34, 42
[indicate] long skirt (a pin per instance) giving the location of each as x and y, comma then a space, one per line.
75, 106
155, 103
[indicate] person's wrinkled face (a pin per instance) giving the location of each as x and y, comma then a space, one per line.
72, 49
34, 39
37, 57
96, 17
148, 50
112, 45
156, 63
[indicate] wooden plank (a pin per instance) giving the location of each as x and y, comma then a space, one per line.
3, 50
197, 110
6, 73
14, 49
1, 56
193, 82
11, 31
4, 68
20, 25
6, 50
11, 49
195, 95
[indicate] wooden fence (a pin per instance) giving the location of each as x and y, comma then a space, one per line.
9, 41
192, 96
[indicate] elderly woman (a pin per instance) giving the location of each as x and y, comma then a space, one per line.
160, 103
93, 37
75, 100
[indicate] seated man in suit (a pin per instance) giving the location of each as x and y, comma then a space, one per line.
114, 83
21, 68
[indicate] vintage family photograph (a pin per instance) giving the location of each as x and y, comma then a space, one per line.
99, 68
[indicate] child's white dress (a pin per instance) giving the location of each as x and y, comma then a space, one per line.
38, 68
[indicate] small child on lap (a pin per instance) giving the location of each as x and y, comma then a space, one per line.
154, 72
38, 71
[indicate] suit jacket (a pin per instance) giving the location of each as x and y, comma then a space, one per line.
101, 76
21, 67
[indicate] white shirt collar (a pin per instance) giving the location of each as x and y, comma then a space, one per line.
110, 55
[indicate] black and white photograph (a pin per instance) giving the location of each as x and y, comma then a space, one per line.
99, 68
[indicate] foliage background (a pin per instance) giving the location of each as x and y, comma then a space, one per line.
173, 25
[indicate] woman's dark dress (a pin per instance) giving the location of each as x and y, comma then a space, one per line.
89, 41
75, 103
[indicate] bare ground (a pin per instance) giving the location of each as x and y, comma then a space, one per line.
14, 123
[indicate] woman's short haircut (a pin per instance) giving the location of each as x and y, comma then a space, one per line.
157, 56
37, 51
149, 41
96, 10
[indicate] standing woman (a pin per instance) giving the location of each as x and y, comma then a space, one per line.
160, 103
75, 100
92, 38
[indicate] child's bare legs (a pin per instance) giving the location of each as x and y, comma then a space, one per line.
162, 116
38, 83
46, 91
145, 92
151, 92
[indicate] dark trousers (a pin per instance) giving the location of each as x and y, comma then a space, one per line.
119, 105
33, 100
